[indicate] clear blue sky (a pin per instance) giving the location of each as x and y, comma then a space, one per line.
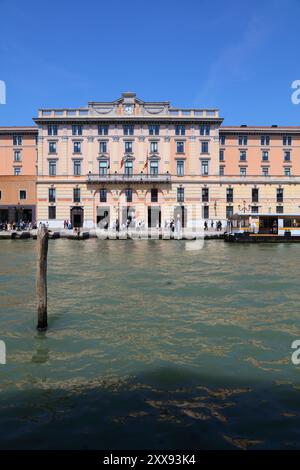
240, 56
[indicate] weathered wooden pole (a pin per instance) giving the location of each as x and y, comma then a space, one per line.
41, 277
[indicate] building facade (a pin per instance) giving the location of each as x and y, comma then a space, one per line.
18, 160
131, 160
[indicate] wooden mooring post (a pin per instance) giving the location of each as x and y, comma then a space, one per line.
41, 277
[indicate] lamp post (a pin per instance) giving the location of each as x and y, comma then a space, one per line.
244, 208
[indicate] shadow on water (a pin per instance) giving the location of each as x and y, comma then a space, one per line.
166, 408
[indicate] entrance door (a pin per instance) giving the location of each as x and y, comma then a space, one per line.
77, 216
154, 216
103, 217
180, 214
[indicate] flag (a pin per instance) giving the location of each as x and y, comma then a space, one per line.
122, 162
146, 164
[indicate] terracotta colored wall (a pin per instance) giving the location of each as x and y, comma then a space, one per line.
28, 151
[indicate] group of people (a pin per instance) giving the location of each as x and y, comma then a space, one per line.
67, 225
19, 226
218, 226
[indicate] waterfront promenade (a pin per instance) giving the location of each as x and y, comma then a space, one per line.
153, 233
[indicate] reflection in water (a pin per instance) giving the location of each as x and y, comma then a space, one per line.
151, 346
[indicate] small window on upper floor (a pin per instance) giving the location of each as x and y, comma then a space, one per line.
221, 170
222, 139
103, 129
76, 147
22, 194
17, 171
287, 156
128, 129
243, 171
265, 156
243, 155
52, 129
204, 147
17, 156
180, 146
179, 129
287, 140
265, 140
17, 140
204, 129
287, 171
243, 140
154, 129
153, 147
52, 147
76, 129
221, 156
265, 171
103, 147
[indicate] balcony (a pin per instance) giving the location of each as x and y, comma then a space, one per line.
116, 178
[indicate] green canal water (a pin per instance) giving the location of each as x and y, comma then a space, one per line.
151, 346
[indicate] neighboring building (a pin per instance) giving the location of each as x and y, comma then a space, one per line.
18, 160
148, 160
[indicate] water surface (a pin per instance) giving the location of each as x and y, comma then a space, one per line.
151, 346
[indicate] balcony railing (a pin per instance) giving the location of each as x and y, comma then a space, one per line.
123, 178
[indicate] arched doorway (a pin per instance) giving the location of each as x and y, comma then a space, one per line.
180, 213
77, 218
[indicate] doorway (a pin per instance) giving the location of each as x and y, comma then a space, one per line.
180, 214
154, 216
77, 217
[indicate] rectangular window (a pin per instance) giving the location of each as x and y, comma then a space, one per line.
205, 212
128, 146
76, 129
222, 139
17, 155
154, 129
279, 209
265, 156
154, 195
52, 194
255, 195
229, 212
265, 140
221, 155
265, 171
180, 146
180, 167
128, 168
204, 147
51, 212
153, 147
17, 140
287, 140
180, 194
205, 194
103, 195
52, 167
287, 171
204, 130
179, 130
229, 195
76, 194
17, 171
22, 194
103, 167
254, 209
128, 194
0, 194
153, 167
52, 147
243, 171
243, 155
243, 140
279, 195
77, 167
287, 156
52, 129
103, 129
128, 129
103, 147
221, 170
76, 147
204, 167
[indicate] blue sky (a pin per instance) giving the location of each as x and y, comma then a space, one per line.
239, 56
